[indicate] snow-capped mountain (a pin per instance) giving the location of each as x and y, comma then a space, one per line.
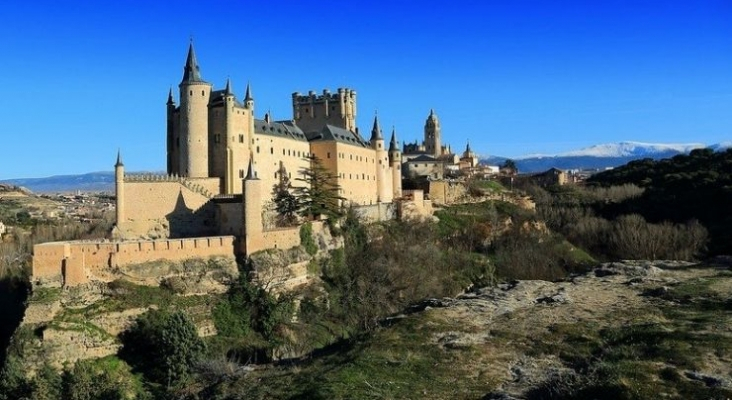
604, 156
632, 149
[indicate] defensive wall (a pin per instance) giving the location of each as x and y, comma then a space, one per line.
75, 262
378, 212
168, 206
447, 192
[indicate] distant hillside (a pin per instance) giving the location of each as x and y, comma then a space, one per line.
91, 182
603, 156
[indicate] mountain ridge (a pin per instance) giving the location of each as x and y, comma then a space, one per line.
599, 157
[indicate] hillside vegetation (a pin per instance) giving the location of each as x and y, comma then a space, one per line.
690, 187
488, 300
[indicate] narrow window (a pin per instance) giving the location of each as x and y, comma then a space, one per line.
271, 150
257, 149
241, 173
328, 154
241, 138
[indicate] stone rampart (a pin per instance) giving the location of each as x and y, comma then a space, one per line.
158, 206
447, 192
75, 263
377, 212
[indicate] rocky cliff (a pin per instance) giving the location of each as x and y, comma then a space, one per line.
64, 325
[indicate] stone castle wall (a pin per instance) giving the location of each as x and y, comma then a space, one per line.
161, 206
445, 192
74, 263
378, 212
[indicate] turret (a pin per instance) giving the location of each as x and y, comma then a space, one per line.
172, 157
248, 99
194, 99
377, 139
383, 179
395, 162
252, 212
119, 188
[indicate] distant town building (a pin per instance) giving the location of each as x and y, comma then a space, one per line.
551, 177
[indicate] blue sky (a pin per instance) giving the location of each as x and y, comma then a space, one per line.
82, 79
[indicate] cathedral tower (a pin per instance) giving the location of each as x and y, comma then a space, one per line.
432, 135
193, 122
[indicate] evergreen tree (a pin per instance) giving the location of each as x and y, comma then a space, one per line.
320, 193
163, 345
286, 203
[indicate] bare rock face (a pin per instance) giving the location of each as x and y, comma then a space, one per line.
511, 319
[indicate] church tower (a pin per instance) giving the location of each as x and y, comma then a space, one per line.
193, 123
395, 161
432, 135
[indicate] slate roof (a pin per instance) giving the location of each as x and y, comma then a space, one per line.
279, 128
423, 158
330, 132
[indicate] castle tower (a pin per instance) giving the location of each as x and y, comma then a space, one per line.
382, 163
225, 165
432, 135
252, 203
248, 99
312, 112
172, 147
119, 188
395, 161
194, 98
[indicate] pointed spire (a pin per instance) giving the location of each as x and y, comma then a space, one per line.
432, 112
170, 96
191, 72
248, 95
251, 174
393, 142
467, 148
227, 90
119, 159
376, 130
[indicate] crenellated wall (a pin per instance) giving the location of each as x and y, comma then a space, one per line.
74, 263
159, 206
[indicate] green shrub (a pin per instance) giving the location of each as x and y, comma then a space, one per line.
306, 238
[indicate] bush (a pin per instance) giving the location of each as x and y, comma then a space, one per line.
103, 379
306, 238
163, 346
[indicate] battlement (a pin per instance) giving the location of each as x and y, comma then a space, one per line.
312, 98
189, 183
77, 262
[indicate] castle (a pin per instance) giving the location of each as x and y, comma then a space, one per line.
222, 167
215, 145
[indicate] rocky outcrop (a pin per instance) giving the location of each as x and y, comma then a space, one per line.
64, 325
522, 314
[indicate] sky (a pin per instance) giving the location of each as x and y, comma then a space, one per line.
82, 80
